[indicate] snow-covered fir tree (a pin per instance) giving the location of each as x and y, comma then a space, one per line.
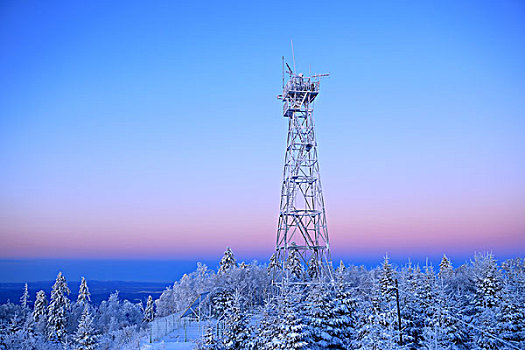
85, 337
267, 334
149, 312
24, 299
273, 264
39, 311
221, 300
293, 264
511, 320
344, 306
371, 331
228, 262
313, 267
57, 311
208, 341
292, 332
445, 268
341, 268
324, 328
236, 330
84, 296
487, 281
387, 279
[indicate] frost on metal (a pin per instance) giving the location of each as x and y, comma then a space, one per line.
302, 220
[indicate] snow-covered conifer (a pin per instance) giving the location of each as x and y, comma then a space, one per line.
24, 299
149, 312
313, 267
84, 296
85, 336
341, 268
274, 264
294, 264
445, 268
57, 310
344, 307
511, 320
236, 331
39, 310
268, 328
323, 325
387, 279
292, 332
487, 300
221, 301
228, 262
208, 341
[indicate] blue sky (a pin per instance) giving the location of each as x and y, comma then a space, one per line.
135, 130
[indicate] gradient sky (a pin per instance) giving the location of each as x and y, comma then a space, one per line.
150, 130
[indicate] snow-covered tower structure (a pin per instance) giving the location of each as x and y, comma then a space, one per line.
302, 220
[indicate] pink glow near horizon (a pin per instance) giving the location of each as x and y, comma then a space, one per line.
186, 237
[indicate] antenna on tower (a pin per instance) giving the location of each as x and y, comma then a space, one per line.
283, 72
293, 57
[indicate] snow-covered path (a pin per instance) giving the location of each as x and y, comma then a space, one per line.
163, 345
180, 339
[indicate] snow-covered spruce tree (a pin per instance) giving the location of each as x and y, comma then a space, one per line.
292, 332
341, 268
24, 299
344, 307
487, 300
268, 329
324, 330
39, 311
273, 264
386, 308
511, 320
236, 331
313, 267
432, 336
293, 264
445, 269
85, 337
208, 340
57, 311
84, 296
411, 312
371, 332
149, 312
14, 324
221, 300
387, 279
228, 262
450, 333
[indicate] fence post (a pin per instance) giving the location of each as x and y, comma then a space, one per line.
399, 315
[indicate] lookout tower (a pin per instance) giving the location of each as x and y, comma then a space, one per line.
302, 220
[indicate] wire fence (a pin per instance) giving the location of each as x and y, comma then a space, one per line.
162, 326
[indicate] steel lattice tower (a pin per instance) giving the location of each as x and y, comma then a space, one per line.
302, 220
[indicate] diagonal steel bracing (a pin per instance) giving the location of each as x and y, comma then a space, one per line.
302, 218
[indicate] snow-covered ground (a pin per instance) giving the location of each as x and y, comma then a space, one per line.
163, 345
181, 338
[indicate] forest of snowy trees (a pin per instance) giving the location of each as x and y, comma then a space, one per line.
478, 305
